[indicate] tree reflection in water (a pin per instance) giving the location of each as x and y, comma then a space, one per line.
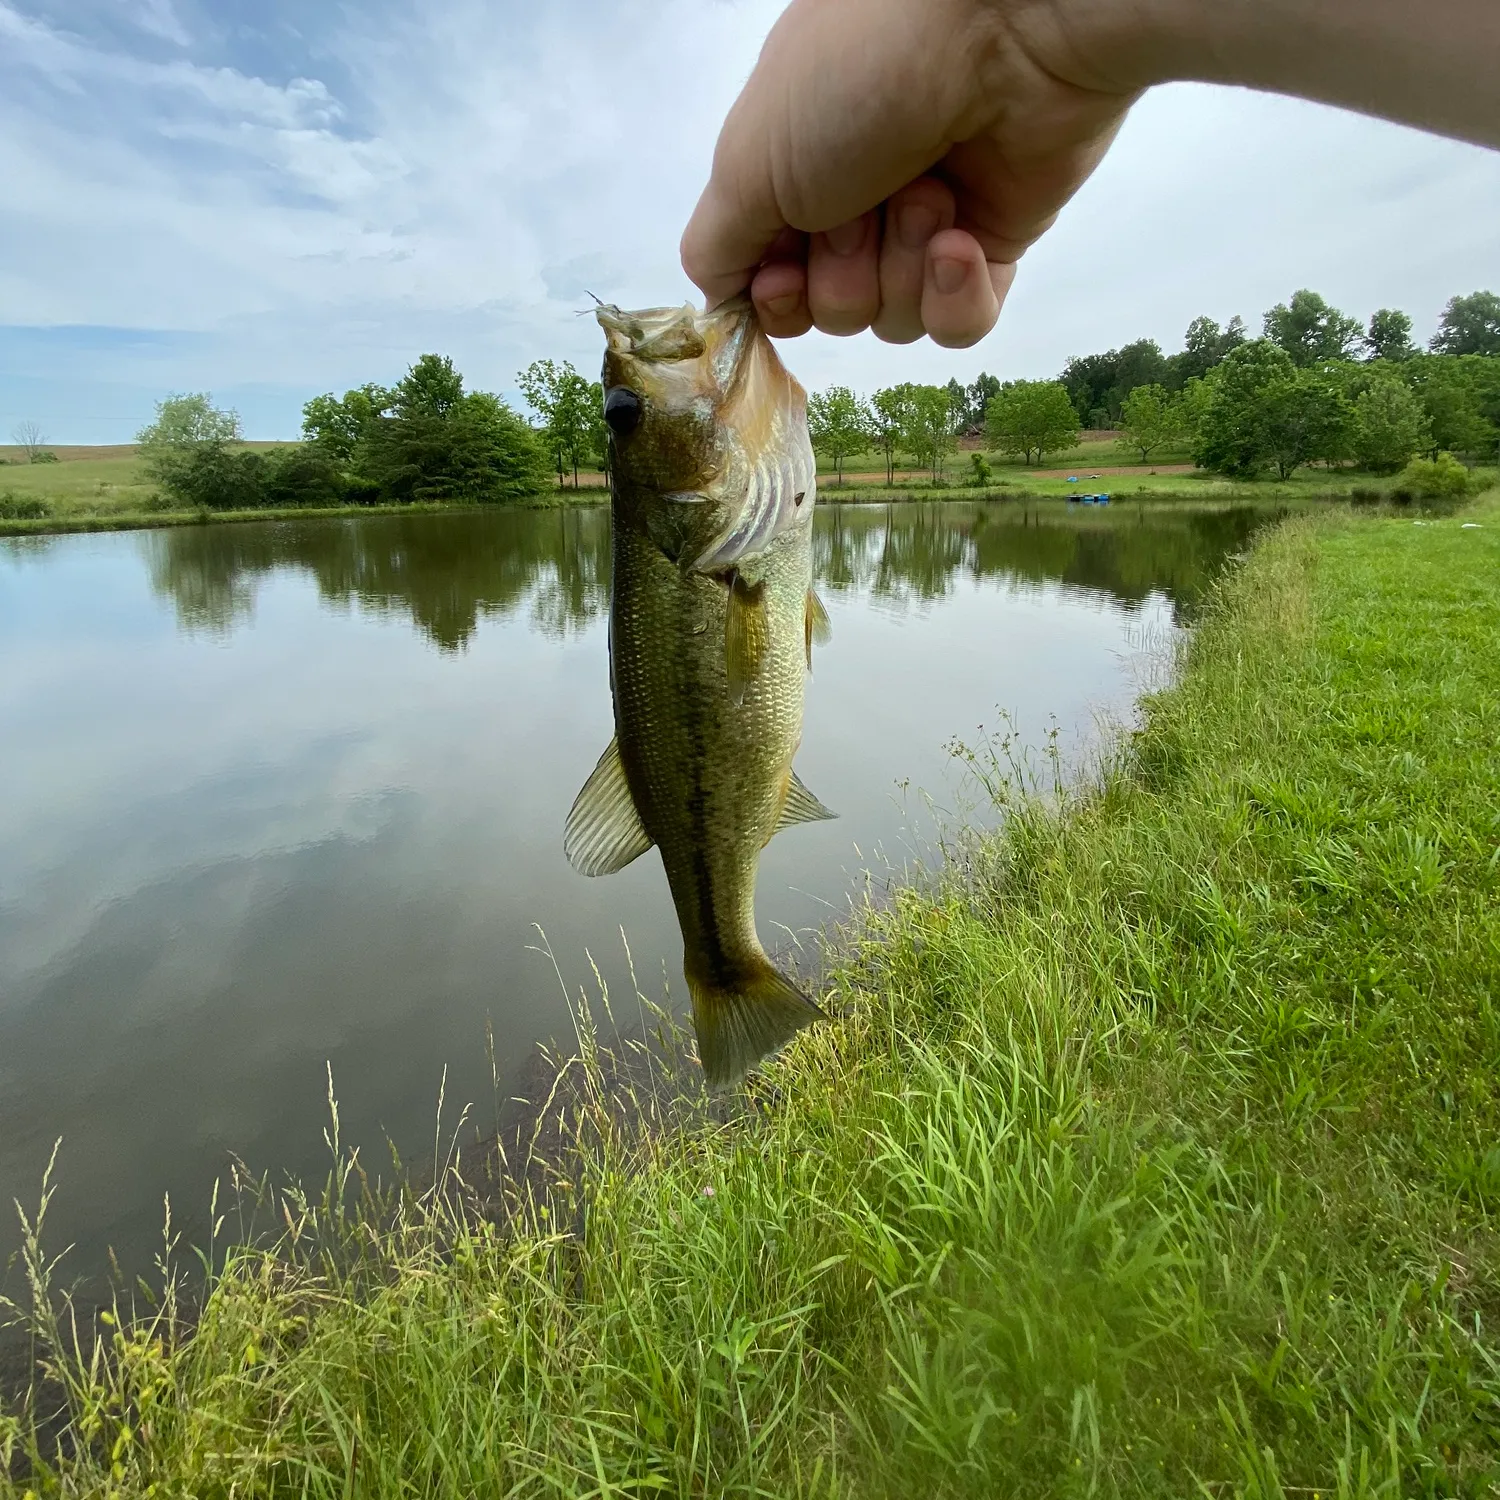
447, 572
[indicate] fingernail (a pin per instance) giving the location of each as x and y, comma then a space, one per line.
949, 275
915, 225
845, 239
785, 303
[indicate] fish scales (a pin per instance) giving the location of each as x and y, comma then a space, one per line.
711, 623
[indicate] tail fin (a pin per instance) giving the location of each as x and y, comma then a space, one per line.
740, 1022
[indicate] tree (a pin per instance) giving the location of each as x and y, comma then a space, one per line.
430, 388
1205, 345
30, 437
1306, 419
1031, 416
977, 397
1229, 408
1470, 325
928, 432
1097, 384
568, 405
183, 422
1310, 330
338, 425
1450, 392
1151, 418
442, 443
888, 422
838, 422
186, 426
1389, 336
1389, 425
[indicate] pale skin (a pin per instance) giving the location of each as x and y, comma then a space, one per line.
889, 161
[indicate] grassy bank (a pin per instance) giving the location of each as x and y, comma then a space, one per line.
1156, 1152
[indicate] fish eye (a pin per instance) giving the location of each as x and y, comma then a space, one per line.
622, 410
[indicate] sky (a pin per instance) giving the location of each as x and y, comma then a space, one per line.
267, 199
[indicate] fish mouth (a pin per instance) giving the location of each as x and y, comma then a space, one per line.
660, 335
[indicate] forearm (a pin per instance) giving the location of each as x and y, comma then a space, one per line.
1434, 64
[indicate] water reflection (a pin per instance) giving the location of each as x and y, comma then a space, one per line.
288, 794
447, 573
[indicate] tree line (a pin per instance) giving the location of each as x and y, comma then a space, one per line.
426, 438
1315, 387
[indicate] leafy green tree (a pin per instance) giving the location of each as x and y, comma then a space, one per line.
977, 396
443, 443
304, 474
186, 427
1451, 392
571, 409
888, 423
430, 388
1151, 418
1030, 416
1389, 335
1205, 346
1229, 408
1311, 331
1304, 419
339, 424
930, 421
214, 476
839, 424
1469, 325
1389, 425
1097, 384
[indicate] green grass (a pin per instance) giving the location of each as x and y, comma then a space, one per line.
1155, 1152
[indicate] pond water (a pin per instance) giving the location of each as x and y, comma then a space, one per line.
287, 795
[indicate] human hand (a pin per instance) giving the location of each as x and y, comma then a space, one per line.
889, 161
890, 178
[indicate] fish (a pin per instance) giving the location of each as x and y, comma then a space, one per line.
712, 624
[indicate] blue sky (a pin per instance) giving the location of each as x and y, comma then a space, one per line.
271, 200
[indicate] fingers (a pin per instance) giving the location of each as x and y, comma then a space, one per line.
961, 291
918, 275
913, 216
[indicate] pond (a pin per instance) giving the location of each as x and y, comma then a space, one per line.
287, 796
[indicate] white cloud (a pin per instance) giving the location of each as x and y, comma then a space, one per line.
470, 171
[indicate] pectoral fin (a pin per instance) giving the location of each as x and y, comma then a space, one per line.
747, 634
603, 832
800, 806
819, 627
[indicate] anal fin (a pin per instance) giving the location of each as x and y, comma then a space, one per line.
800, 806
604, 831
747, 634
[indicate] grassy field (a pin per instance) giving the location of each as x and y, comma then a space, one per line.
1155, 1151
94, 489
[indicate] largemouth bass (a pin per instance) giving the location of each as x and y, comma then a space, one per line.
712, 624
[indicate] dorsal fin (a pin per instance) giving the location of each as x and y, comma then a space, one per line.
604, 831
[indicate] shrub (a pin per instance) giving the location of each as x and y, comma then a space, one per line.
44, 456
1440, 478
305, 474
217, 477
15, 507
981, 466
